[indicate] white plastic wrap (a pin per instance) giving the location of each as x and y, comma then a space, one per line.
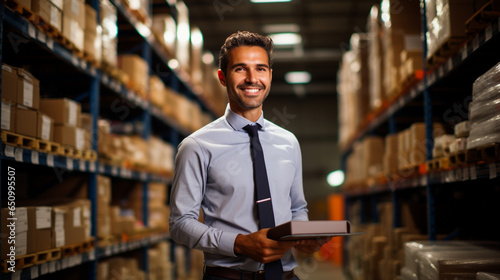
484, 133
487, 276
489, 93
458, 145
462, 129
456, 264
487, 80
483, 110
442, 145
407, 274
412, 249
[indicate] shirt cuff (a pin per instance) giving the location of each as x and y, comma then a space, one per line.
227, 243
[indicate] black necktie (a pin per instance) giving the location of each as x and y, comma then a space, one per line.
273, 270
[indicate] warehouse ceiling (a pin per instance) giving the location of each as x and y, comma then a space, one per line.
324, 25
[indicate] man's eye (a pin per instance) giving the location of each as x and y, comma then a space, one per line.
262, 69
239, 69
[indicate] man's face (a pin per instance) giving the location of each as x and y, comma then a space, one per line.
248, 77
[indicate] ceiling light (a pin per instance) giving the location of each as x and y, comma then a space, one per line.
335, 178
269, 1
196, 37
298, 77
286, 39
277, 28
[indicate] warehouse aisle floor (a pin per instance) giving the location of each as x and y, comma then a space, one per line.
312, 269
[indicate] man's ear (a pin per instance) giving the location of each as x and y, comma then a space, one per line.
222, 78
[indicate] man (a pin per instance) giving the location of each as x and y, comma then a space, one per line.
214, 171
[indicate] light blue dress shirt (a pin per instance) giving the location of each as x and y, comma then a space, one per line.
214, 171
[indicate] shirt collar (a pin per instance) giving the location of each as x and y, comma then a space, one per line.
237, 122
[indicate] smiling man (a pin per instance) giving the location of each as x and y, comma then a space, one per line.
217, 169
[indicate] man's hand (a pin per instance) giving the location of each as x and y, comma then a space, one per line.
260, 248
311, 245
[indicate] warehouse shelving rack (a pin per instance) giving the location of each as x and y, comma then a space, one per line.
433, 95
98, 83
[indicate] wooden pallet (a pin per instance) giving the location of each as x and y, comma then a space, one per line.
489, 152
438, 164
447, 49
486, 153
48, 28
49, 147
19, 8
22, 262
19, 140
89, 155
48, 255
458, 159
77, 248
482, 18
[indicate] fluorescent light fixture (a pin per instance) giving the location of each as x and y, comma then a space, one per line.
269, 1
298, 77
286, 39
196, 37
335, 178
278, 28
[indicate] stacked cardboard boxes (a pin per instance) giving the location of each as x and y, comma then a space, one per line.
401, 22
74, 22
20, 104
375, 58
160, 265
352, 88
137, 70
157, 204
109, 26
379, 253
50, 11
66, 114
166, 29
31, 231
103, 206
446, 22
119, 268
92, 35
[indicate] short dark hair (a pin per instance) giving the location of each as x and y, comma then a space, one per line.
244, 38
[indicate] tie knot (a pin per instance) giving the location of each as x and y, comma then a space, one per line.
252, 129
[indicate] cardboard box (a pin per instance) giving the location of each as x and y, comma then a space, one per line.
70, 135
8, 116
137, 69
41, 8
20, 87
108, 22
63, 111
56, 15
19, 231
45, 127
58, 233
76, 220
39, 229
26, 121
74, 21
90, 19
26, 3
